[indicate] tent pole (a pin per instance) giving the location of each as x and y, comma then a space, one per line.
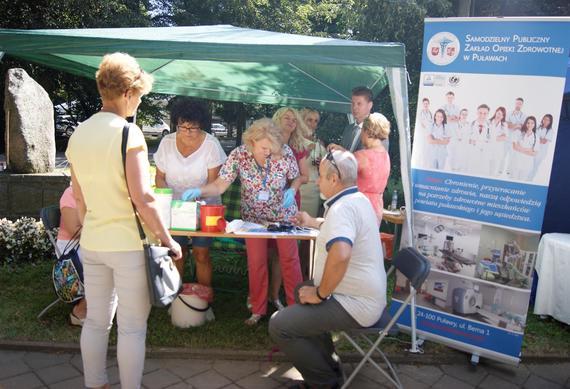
397, 81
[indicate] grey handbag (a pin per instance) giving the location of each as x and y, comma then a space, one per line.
164, 281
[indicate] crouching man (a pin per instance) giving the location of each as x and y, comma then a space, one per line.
349, 286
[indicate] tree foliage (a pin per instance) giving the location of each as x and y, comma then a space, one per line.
65, 87
522, 8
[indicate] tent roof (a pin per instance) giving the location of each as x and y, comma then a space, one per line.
221, 62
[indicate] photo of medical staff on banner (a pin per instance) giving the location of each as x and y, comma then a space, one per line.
494, 129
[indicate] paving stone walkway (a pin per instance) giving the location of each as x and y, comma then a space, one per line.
27, 370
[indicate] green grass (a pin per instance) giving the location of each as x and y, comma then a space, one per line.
27, 289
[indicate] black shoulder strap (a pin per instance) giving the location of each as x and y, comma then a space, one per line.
124, 155
73, 243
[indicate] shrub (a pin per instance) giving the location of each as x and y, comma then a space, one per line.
23, 241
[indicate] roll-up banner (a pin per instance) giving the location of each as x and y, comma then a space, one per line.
486, 126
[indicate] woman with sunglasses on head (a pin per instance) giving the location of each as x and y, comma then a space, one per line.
374, 161
269, 178
190, 158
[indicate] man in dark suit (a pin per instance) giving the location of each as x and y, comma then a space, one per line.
361, 106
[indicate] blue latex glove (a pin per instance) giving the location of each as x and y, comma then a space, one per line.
191, 194
288, 197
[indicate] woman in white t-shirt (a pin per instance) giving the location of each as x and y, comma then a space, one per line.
190, 158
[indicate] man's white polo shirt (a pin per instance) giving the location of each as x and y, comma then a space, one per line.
349, 217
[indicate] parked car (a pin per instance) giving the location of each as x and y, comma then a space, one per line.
157, 130
219, 129
64, 126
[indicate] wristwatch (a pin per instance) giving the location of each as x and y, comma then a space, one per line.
321, 297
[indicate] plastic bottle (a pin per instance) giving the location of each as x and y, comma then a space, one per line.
394, 203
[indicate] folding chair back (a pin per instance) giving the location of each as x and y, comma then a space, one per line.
50, 217
415, 267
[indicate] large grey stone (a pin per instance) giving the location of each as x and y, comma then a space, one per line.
30, 132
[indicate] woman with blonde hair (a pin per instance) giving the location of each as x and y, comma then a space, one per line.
310, 195
374, 161
269, 177
294, 130
112, 252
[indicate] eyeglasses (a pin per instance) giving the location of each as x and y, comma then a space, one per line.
330, 158
187, 129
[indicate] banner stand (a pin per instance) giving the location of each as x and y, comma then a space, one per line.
484, 141
416, 343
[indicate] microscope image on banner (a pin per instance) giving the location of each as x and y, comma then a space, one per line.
469, 299
474, 250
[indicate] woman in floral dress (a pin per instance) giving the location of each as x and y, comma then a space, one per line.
269, 177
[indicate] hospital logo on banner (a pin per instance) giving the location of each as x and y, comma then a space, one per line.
443, 48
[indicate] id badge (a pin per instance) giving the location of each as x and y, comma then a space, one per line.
263, 195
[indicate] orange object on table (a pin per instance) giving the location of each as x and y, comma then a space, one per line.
387, 244
209, 217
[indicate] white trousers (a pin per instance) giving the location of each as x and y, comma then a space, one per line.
115, 282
